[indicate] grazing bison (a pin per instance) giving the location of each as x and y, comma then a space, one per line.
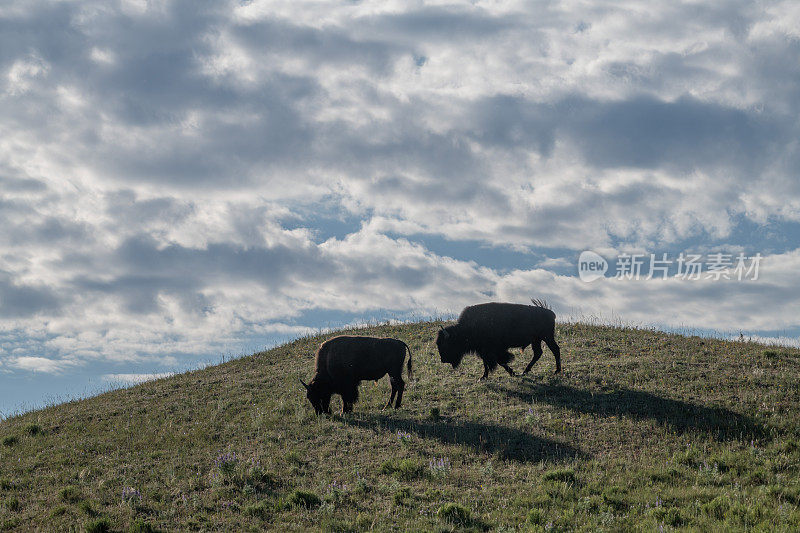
489, 330
343, 362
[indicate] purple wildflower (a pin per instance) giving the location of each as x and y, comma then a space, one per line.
131, 494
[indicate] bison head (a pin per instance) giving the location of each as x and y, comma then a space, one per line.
319, 394
451, 344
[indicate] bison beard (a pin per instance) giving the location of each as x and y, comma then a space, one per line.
342, 362
490, 330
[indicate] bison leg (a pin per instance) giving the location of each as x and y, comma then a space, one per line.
537, 353
326, 404
503, 361
394, 391
399, 385
349, 398
508, 369
485, 372
551, 343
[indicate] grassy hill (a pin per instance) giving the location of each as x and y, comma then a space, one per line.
643, 429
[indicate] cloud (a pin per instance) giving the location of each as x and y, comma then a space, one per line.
183, 179
40, 364
19, 300
684, 134
673, 302
133, 379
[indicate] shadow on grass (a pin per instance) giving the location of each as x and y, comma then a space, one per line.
508, 443
682, 416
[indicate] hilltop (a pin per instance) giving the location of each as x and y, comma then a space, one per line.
642, 429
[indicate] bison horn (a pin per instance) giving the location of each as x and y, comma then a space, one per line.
303, 383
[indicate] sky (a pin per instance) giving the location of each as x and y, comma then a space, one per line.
187, 181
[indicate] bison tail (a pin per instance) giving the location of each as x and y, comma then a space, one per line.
408, 365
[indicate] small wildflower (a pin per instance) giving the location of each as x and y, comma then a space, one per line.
335, 486
403, 437
226, 462
228, 505
130, 494
439, 466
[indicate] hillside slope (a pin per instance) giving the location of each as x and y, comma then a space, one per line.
642, 429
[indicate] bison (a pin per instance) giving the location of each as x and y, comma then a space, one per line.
342, 362
490, 329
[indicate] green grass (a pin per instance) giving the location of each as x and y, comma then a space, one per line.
642, 430
100, 525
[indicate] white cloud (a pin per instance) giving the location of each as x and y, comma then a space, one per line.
133, 379
40, 364
102, 56
24, 73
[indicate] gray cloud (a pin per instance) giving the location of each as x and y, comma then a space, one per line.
639, 132
320, 46
684, 134
20, 184
436, 24
24, 300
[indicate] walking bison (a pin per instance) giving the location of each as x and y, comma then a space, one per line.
342, 362
490, 330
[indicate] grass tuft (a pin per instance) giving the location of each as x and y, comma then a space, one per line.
86, 508
718, 507
70, 494
263, 509
98, 525
455, 514
402, 496
566, 475
140, 526
302, 498
671, 516
58, 511
535, 517
403, 469
12, 504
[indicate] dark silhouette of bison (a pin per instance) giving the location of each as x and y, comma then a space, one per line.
342, 362
490, 329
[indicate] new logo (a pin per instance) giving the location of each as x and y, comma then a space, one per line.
591, 266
